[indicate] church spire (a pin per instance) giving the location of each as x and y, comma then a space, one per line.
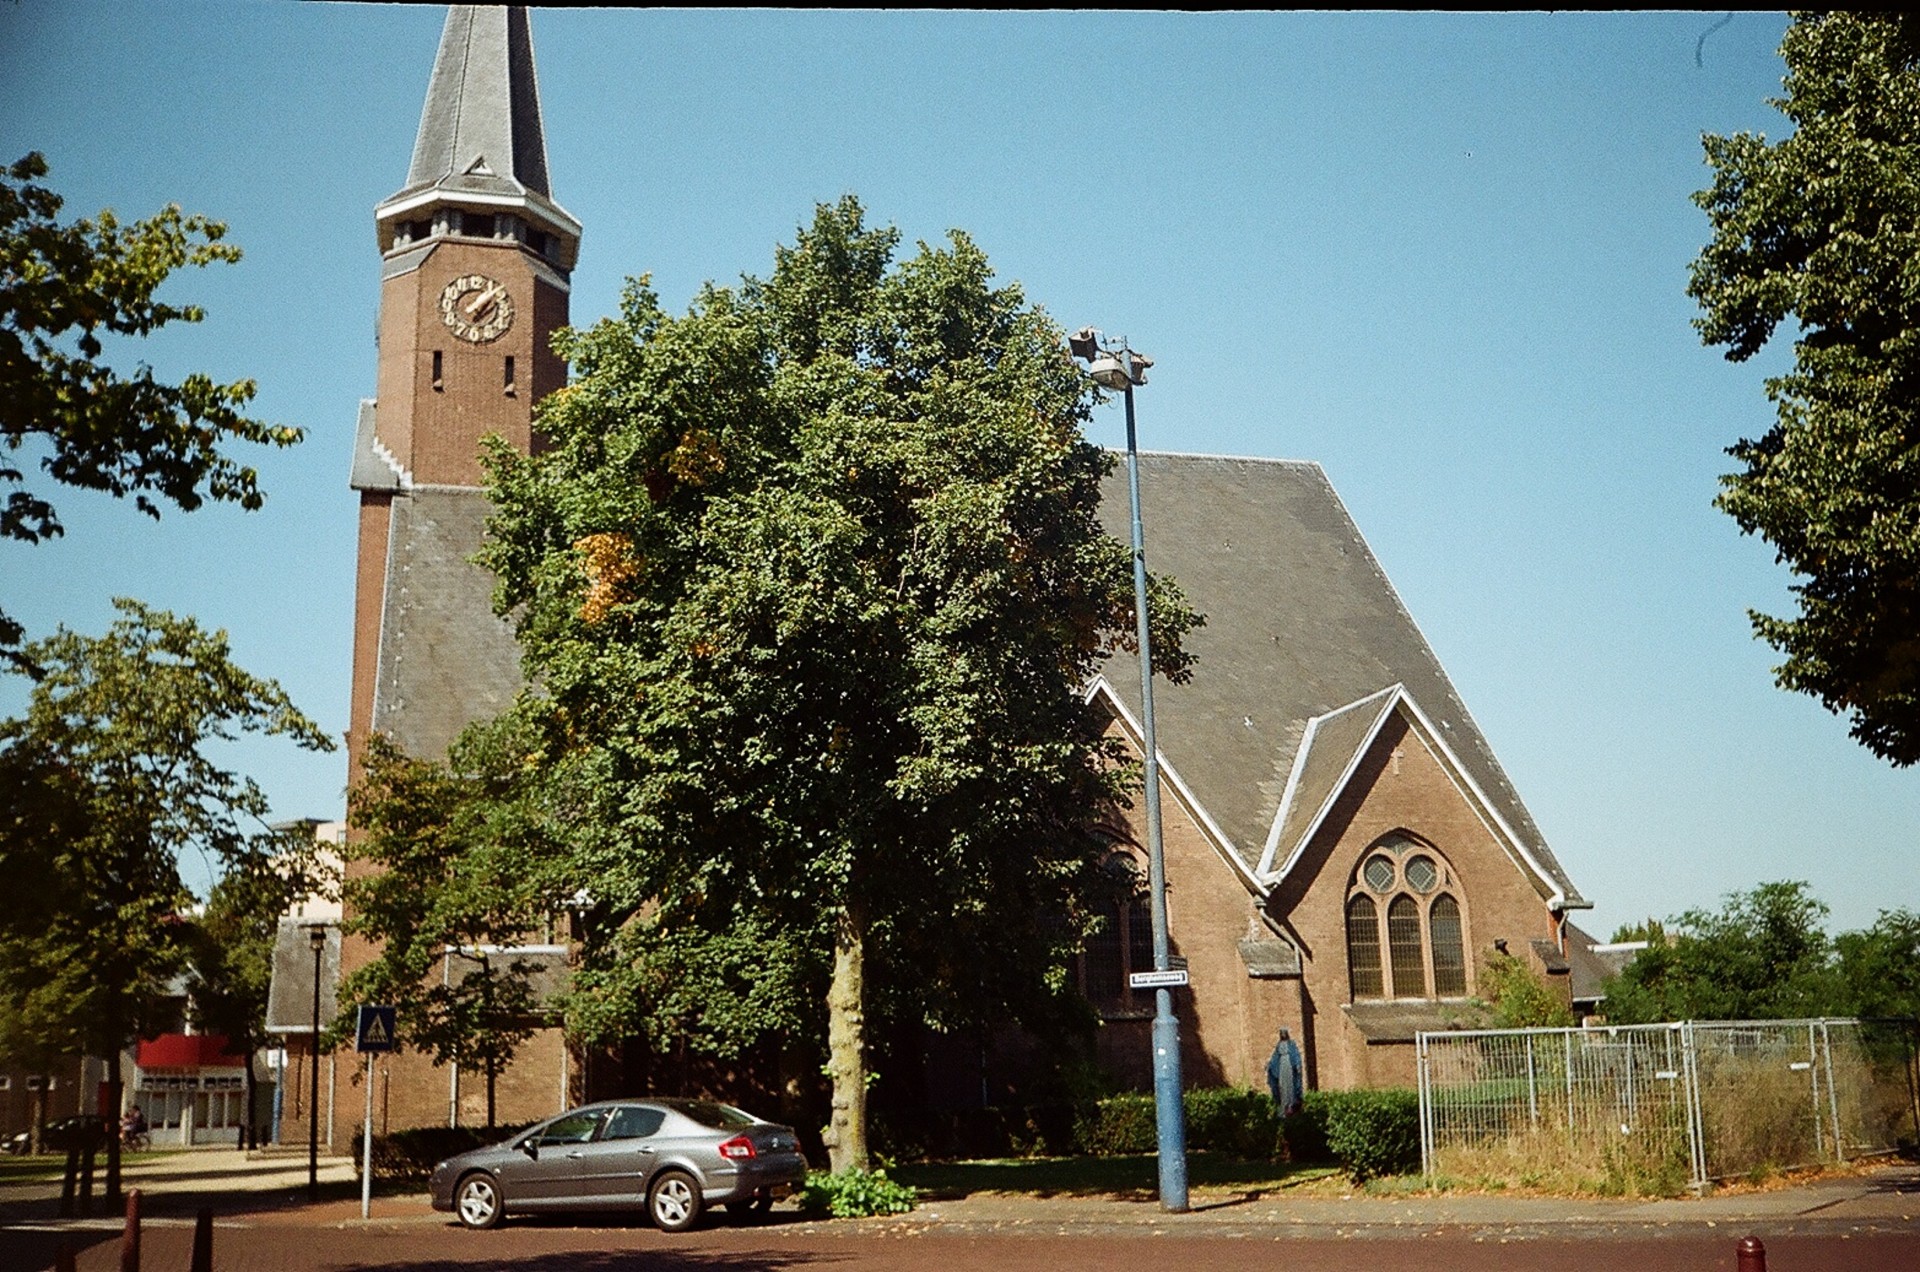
483, 104
481, 147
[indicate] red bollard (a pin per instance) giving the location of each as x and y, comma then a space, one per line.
1750, 1255
203, 1241
130, 1237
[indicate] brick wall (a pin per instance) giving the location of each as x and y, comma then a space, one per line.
1228, 1019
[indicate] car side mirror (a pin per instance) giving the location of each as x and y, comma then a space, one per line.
531, 1147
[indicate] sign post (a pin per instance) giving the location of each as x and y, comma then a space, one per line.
373, 1035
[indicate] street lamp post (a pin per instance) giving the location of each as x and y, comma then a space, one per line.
1113, 365
317, 937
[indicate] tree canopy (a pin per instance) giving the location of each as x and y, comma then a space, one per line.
1766, 954
64, 287
451, 891
105, 782
810, 582
1823, 227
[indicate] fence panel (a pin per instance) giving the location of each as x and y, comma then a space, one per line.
1650, 1108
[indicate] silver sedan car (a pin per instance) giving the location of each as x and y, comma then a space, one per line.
675, 1157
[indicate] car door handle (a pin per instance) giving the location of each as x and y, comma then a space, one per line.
646, 1148
573, 1155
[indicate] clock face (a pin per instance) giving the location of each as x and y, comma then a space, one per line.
476, 308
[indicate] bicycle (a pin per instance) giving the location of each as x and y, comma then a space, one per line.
135, 1141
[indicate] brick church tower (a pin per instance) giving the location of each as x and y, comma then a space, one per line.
475, 259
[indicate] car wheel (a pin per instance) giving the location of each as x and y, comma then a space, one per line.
749, 1209
476, 1200
674, 1201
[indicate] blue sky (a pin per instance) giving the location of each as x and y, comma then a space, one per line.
1443, 255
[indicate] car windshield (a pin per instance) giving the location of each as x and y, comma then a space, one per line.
713, 1113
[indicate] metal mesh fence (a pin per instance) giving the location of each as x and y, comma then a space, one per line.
1650, 1108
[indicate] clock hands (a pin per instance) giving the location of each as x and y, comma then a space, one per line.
484, 300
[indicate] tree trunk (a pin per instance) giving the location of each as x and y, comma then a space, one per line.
38, 1139
247, 1138
113, 1126
846, 1136
493, 1068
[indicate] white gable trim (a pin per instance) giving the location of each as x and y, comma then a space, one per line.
1397, 697
1292, 790
1101, 687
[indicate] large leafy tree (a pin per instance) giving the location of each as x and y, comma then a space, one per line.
1765, 954
1881, 965
810, 581
1823, 227
67, 288
110, 776
451, 885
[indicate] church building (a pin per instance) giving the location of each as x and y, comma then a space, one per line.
1344, 851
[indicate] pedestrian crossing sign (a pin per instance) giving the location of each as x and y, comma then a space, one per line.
374, 1031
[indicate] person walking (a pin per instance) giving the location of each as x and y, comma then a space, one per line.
1286, 1081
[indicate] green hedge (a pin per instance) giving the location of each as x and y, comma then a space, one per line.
1367, 1133
1375, 1132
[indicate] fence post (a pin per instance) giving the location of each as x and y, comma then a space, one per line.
1833, 1097
1567, 1041
1696, 1121
1426, 1105
1813, 1072
1533, 1087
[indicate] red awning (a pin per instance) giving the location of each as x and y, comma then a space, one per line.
186, 1051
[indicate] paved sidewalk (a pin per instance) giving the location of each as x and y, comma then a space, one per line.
270, 1190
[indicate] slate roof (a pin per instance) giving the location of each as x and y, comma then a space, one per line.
1305, 648
481, 143
1593, 966
445, 659
545, 966
290, 991
483, 106
1305, 641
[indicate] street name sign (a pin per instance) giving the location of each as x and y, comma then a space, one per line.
1158, 980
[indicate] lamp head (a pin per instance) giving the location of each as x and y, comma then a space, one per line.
317, 937
1109, 372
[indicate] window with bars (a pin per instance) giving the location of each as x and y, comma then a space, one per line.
1405, 937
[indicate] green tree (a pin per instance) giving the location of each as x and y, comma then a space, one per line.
1880, 966
111, 778
450, 889
230, 945
1517, 997
1824, 227
810, 581
63, 287
1765, 954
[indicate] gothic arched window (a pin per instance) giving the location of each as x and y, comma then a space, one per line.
1363, 948
1395, 907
